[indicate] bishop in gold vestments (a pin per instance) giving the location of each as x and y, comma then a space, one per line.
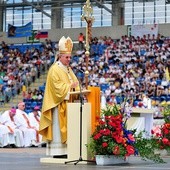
60, 81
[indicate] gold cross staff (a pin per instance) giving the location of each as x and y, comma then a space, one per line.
87, 16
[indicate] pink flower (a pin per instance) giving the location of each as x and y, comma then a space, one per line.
131, 137
101, 122
104, 144
97, 136
165, 131
112, 124
130, 150
116, 150
119, 139
165, 141
105, 132
156, 131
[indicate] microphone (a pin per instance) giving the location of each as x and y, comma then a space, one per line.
81, 94
77, 69
80, 70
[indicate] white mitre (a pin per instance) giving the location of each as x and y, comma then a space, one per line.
65, 45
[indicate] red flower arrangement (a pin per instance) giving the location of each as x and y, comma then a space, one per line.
111, 136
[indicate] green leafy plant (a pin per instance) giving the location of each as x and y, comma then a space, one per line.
146, 147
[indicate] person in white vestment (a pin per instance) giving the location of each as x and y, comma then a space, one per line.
21, 119
146, 101
7, 118
34, 118
103, 101
7, 138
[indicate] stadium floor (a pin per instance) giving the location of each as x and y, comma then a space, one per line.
29, 159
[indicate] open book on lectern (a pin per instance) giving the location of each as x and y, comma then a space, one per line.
80, 92
76, 95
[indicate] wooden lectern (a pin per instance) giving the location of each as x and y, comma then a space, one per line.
142, 119
73, 131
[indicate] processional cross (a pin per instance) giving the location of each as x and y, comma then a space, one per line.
87, 16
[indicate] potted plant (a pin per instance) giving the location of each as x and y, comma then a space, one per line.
111, 138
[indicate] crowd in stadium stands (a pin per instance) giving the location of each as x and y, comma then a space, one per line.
18, 69
128, 67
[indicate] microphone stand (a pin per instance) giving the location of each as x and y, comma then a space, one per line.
80, 159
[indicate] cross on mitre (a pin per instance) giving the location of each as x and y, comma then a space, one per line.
68, 45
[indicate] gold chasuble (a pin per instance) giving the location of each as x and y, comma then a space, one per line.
56, 89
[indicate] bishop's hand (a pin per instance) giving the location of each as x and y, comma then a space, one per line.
74, 85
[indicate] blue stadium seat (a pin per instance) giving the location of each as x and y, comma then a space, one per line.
158, 82
168, 98
27, 100
157, 98
104, 87
163, 98
28, 111
152, 98
33, 104
119, 99
135, 103
42, 88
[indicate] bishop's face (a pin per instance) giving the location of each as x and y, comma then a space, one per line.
65, 59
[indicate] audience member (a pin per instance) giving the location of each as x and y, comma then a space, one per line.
21, 119
7, 118
34, 118
7, 138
